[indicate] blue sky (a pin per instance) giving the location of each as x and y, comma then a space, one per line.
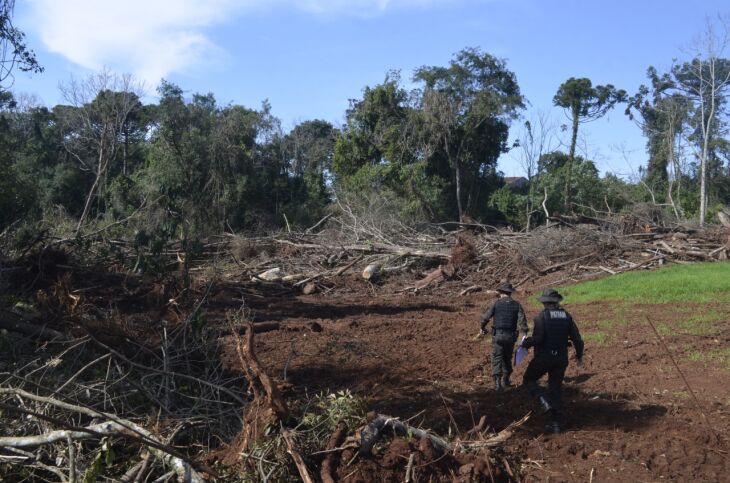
308, 57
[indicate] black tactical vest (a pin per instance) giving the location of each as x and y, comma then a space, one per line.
557, 328
506, 311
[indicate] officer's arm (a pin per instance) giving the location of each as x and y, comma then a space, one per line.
576, 339
522, 322
538, 333
485, 318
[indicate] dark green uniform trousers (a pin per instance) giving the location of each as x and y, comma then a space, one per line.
503, 345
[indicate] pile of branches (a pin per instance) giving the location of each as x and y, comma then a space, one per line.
574, 248
91, 401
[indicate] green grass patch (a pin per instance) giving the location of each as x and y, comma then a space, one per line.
698, 282
595, 338
698, 324
696, 356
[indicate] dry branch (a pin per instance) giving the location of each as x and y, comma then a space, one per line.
115, 426
381, 248
370, 434
328, 465
298, 460
498, 440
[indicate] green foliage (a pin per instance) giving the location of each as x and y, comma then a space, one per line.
436, 146
583, 103
595, 338
15, 52
509, 204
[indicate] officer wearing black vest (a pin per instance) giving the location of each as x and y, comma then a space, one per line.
553, 328
508, 318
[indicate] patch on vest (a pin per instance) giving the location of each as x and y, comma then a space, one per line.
558, 314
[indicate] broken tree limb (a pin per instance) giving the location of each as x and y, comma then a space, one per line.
434, 277
328, 465
316, 225
468, 290
116, 426
370, 434
298, 460
497, 440
555, 266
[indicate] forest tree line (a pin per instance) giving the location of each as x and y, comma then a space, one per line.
187, 165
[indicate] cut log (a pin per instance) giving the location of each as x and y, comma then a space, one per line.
371, 272
309, 288
272, 275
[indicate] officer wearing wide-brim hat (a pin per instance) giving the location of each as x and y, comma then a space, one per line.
508, 318
554, 327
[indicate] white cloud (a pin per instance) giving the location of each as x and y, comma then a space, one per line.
152, 38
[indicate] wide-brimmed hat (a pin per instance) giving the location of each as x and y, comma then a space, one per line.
550, 295
505, 287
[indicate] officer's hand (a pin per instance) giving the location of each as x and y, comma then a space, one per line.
579, 362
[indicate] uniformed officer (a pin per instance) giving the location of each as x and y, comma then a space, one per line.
553, 328
508, 318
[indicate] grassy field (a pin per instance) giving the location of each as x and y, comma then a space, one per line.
700, 282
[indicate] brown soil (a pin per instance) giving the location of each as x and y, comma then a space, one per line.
630, 415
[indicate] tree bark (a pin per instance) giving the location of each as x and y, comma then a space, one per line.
458, 191
571, 158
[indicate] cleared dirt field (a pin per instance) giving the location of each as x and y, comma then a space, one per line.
631, 416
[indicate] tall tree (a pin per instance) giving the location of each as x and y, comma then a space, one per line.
583, 103
95, 122
467, 109
662, 113
706, 80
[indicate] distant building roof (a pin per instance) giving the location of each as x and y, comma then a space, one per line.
515, 181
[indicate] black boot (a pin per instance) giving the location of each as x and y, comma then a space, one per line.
545, 404
498, 383
506, 382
